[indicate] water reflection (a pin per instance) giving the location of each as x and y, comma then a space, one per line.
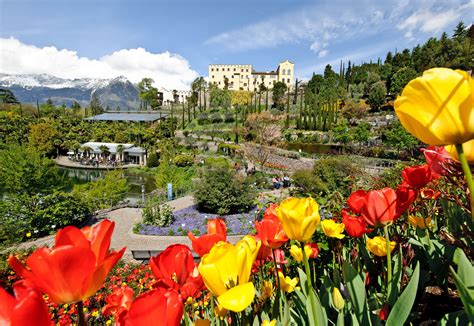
134, 180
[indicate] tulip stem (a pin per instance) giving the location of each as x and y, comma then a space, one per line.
389, 258
80, 313
276, 270
306, 267
467, 172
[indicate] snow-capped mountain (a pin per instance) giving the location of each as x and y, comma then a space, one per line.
117, 93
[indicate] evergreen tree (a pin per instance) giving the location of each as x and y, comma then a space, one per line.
96, 107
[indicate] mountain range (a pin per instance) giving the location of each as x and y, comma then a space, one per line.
115, 94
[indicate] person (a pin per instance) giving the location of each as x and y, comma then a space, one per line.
276, 183
286, 181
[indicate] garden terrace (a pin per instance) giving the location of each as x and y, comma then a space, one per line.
133, 117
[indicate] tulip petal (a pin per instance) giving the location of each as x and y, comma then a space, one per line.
101, 272
71, 236
237, 298
100, 236
148, 309
31, 310
7, 304
62, 273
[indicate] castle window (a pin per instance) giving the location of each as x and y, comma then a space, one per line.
217, 69
234, 69
288, 72
212, 76
228, 69
288, 80
212, 69
283, 72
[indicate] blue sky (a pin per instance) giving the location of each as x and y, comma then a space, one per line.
174, 41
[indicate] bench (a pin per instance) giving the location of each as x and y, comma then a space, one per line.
145, 255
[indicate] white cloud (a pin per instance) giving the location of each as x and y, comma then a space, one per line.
323, 53
166, 69
434, 19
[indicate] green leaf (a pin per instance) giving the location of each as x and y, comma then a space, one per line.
466, 294
401, 309
303, 281
316, 312
356, 288
394, 287
465, 268
454, 319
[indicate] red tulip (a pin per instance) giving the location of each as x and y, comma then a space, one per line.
436, 157
263, 253
77, 265
158, 307
280, 257
383, 313
428, 193
379, 207
355, 226
270, 231
216, 232
314, 250
405, 197
118, 302
418, 176
174, 268
356, 200
27, 307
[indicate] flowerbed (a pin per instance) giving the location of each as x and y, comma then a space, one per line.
191, 220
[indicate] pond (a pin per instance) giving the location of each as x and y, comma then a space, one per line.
135, 179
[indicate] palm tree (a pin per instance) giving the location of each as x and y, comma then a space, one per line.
104, 151
120, 150
87, 150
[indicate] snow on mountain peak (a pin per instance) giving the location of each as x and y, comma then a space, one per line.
49, 81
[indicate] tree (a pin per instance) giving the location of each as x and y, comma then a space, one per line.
148, 94
7, 96
219, 97
377, 94
460, 32
240, 97
265, 129
96, 107
42, 136
24, 171
397, 137
279, 89
401, 78
120, 150
104, 151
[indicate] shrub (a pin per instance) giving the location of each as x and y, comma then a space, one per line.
328, 175
104, 192
179, 177
183, 160
219, 191
203, 119
25, 217
156, 213
227, 149
152, 161
229, 117
215, 118
216, 162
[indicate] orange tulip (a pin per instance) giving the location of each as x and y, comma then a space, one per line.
26, 308
269, 230
118, 302
216, 231
157, 307
77, 265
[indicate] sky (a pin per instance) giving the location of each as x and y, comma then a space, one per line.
173, 42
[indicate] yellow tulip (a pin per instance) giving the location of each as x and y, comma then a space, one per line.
299, 217
419, 222
267, 290
202, 322
267, 322
337, 299
332, 229
297, 253
287, 284
226, 272
378, 246
468, 149
437, 108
